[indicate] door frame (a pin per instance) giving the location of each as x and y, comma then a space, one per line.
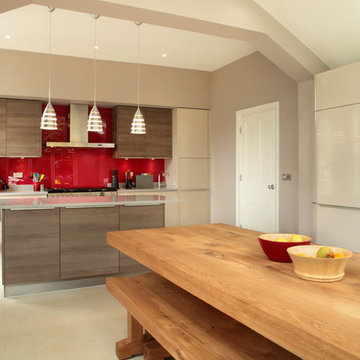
239, 114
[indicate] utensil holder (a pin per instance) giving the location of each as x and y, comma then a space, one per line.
36, 186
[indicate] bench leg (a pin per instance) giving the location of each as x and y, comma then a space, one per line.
133, 344
154, 351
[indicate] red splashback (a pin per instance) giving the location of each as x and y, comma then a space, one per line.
73, 167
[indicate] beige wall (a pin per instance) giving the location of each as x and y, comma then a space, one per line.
25, 74
249, 82
306, 99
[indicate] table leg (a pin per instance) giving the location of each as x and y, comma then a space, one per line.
154, 351
133, 344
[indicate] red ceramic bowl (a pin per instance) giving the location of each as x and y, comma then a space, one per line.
276, 250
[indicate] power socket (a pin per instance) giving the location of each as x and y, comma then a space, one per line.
18, 175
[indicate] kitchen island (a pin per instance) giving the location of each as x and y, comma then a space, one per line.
57, 243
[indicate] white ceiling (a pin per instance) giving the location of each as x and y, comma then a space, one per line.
73, 35
329, 28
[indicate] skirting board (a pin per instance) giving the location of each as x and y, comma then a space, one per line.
30, 289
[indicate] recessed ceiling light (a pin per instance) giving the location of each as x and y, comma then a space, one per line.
96, 47
7, 36
164, 55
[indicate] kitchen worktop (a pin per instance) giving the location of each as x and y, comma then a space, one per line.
155, 189
30, 193
75, 201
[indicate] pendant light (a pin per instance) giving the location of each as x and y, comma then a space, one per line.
48, 119
94, 121
138, 123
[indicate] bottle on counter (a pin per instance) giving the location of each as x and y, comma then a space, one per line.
115, 179
128, 179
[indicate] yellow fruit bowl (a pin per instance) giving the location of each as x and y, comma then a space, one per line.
309, 267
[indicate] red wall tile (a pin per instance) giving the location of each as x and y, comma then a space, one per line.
73, 167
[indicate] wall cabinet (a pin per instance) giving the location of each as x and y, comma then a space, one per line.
156, 143
20, 125
138, 217
30, 246
158, 133
83, 250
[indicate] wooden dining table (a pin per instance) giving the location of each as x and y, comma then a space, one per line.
225, 267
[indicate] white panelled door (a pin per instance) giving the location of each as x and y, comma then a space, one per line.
257, 168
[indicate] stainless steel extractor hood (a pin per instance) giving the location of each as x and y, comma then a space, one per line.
78, 130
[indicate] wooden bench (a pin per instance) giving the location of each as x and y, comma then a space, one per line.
188, 328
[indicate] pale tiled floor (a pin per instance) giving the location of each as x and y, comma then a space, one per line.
68, 325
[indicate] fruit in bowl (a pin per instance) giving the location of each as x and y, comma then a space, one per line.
275, 245
319, 263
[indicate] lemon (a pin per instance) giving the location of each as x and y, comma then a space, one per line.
296, 238
281, 240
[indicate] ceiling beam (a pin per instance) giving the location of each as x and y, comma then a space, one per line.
257, 27
7, 5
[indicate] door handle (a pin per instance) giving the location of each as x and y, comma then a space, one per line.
271, 187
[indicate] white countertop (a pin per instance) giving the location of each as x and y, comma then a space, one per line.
123, 190
11, 193
86, 201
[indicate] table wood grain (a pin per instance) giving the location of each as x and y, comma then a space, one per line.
225, 267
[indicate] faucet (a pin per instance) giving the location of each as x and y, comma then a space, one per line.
159, 175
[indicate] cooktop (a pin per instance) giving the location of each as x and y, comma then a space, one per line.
84, 189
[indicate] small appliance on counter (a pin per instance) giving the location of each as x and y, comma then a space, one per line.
128, 179
144, 181
115, 179
3, 185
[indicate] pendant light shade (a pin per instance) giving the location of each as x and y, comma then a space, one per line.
48, 119
94, 121
138, 123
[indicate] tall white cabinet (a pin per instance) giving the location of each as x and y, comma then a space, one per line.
337, 134
189, 169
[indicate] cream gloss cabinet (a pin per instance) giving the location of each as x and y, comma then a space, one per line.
338, 87
190, 166
337, 133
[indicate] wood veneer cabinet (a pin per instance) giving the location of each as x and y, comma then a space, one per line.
23, 133
84, 251
30, 246
2, 127
138, 217
158, 133
156, 143
127, 145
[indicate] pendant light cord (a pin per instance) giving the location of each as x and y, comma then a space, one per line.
138, 65
95, 53
50, 12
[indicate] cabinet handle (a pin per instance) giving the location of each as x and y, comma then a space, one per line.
32, 208
147, 204
88, 206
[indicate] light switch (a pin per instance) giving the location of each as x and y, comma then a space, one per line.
286, 177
